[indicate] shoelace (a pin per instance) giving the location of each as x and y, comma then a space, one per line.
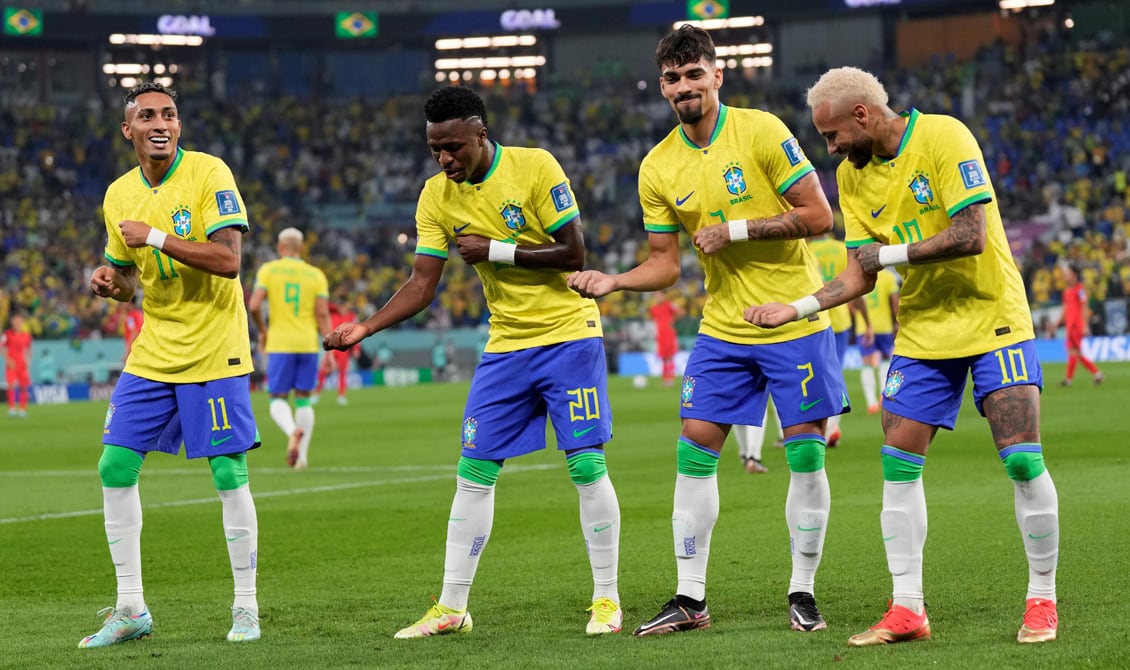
243, 618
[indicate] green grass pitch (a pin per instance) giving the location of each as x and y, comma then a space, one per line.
352, 550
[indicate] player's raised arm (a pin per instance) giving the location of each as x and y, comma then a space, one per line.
119, 283
415, 295
221, 255
811, 215
850, 284
566, 252
660, 270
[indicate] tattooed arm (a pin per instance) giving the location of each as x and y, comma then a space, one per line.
853, 282
965, 236
810, 215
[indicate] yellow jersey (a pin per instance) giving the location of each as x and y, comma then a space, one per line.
522, 199
293, 287
751, 160
879, 305
954, 308
831, 257
195, 323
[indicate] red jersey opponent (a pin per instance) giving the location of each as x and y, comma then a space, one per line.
338, 360
17, 344
663, 313
1074, 321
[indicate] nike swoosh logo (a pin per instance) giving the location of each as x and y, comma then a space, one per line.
805, 406
216, 443
679, 201
601, 529
233, 539
803, 529
456, 518
1040, 537
114, 541
582, 433
888, 539
876, 212
653, 624
459, 229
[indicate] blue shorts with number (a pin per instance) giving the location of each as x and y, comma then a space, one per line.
512, 392
287, 372
930, 391
884, 343
729, 383
211, 418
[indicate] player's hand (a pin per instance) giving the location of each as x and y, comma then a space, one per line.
344, 336
102, 282
869, 258
713, 238
134, 232
867, 338
473, 248
591, 283
770, 315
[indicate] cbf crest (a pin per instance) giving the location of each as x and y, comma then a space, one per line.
735, 179
109, 418
894, 383
512, 215
688, 391
470, 432
920, 187
182, 220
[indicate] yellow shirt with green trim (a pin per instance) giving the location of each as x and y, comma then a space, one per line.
522, 199
751, 160
195, 325
954, 308
879, 305
831, 257
293, 287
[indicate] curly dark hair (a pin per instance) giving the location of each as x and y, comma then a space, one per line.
454, 102
147, 87
688, 44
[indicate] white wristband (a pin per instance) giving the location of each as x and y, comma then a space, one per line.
156, 238
805, 307
501, 252
894, 254
739, 230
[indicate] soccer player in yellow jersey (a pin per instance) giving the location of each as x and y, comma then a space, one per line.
298, 316
175, 225
512, 215
737, 182
882, 312
916, 196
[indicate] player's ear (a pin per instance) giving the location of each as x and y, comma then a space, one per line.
126, 132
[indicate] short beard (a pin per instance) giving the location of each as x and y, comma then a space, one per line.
859, 155
689, 115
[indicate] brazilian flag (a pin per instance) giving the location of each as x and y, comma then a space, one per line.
19, 21
699, 10
354, 25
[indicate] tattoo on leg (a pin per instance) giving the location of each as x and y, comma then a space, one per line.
1014, 415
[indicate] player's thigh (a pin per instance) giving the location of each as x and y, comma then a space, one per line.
282, 372
1006, 389
572, 377
504, 415
805, 378
140, 411
216, 417
926, 391
723, 384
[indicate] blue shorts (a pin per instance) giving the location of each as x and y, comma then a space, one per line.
884, 343
842, 339
291, 372
727, 383
512, 392
930, 391
211, 418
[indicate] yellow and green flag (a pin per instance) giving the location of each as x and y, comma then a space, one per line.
700, 10
20, 21
355, 25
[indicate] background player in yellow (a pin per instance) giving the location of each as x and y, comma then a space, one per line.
916, 195
298, 316
174, 226
738, 183
512, 215
881, 324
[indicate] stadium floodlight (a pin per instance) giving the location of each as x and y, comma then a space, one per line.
760, 48
157, 40
723, 24
1017, 5
495, 42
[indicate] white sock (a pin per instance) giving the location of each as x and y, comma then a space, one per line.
122, 510
884, 368
1037, 514
867, 378
806, 511
904, 534
750, 440
241, 530
282, 416
600, 522
468, 529
304, 419
696, 512
833, 424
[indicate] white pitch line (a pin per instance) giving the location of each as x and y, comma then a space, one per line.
268, 494
92, 472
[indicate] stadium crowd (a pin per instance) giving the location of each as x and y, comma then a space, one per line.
1053, 118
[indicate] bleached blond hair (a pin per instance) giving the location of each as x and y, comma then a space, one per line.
290, 234
847, 85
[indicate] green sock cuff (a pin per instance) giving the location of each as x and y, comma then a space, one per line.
479, 471
301, 402
695, 460
586, 467
805, 454
901, 466
119, 467
1023, 462
229, 471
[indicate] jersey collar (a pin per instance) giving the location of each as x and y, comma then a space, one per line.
723, 112
911, 117
168, 173
493, 164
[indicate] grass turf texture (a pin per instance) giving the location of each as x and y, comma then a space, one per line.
351, 550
